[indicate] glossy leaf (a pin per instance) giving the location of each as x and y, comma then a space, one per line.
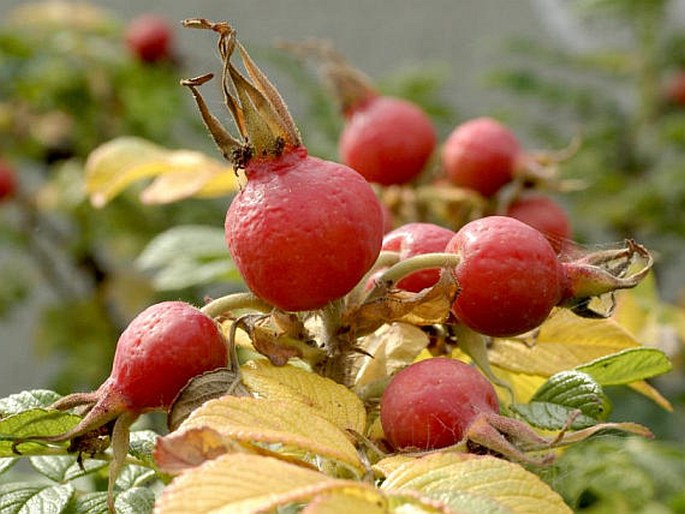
332, 401
63, 468
464, 480
566, 392
627, 366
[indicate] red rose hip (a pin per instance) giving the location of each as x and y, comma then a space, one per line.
509, 276
432, 403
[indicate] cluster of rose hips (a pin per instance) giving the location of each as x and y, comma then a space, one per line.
306, 233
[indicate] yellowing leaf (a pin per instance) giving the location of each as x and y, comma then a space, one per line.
393, 347
645, 389
564, 342
462, 480
117, 164
283, 421
245, 483
332, 401
348, 500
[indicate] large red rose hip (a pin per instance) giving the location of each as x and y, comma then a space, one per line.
509, 276
303, 231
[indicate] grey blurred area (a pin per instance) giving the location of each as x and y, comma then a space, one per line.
379, 37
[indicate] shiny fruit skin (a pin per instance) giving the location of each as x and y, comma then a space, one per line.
480, 154
303, 231
165, 346
387, 140
431, 403
544, 214
509, 276
149, 37
415, 239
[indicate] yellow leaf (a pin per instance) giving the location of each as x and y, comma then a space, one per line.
393, 347
564, 342
349, 500
467, 480
650, 392
244, 483
389, 464
117, 164
283, 421
332, 401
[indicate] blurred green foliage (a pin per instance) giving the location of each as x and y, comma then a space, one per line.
68, 83
617, 96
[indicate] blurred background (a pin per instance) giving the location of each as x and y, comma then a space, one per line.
602, 81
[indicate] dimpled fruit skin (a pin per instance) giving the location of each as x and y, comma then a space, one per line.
480, 154
415, 239
303, 231
165, 346
545, 215
388, 140
431, 403
509, 276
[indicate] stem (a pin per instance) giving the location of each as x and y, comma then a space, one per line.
408, 266
385, 259
236, 301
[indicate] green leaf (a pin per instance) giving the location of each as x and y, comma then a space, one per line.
563, 394
138, 500
32, 423
193, 241
21, 498
141, 445
188, 255
134, 476
627, 366
7, 462
89, 503
63, 468
26, 400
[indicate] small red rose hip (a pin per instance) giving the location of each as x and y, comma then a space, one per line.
509, 276
149, 37
388, 140
432, 403
480, 154
416, 239
8, 180
544, 214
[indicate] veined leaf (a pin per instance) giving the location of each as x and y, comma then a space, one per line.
464, 480
34, 422
244, 483
288, 423
138, 500
564, 342
627, 366
20, 497
564, 393
63, 468
117, 164
26, 400
348, 500
332, 401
